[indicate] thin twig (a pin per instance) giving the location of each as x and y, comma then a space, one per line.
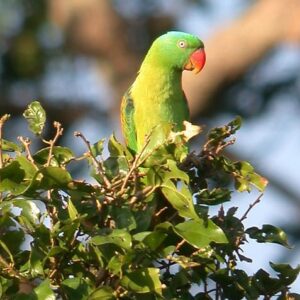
250, 207
179, 245
220, 147
161, 211
205, 287
26, 143
9, 269
51, 143
142, 194
134, 165
97, 164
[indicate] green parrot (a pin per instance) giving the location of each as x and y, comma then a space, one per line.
156, 96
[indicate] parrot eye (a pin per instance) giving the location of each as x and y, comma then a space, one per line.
182, 44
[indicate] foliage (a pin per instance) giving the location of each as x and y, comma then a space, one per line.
139, 228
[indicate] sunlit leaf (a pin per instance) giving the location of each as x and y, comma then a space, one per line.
248, 177
102, 293
181, 200
54, 177
73, 213
44, 291
97, 148
173, 172
36, 117
16, 176
36, 262
6, 249
119, 237
75, 288
29, 208
144, 280
154, 239
199, 233
117, 149
190, 130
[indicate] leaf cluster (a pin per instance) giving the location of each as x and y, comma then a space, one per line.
138, 228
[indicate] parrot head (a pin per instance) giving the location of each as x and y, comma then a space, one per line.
179, 51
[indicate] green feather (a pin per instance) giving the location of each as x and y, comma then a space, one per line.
156, 96
127, 120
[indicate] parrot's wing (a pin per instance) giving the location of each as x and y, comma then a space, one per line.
127, 121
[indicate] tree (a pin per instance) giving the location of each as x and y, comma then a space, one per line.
139, 228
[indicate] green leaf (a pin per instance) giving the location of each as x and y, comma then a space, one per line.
143, 281
213, 197
12, 238
16, 176
154, 239
44, 291
158, 136
97, 148
160, 173
36, 117
6, 249
143, 217
219, 134
242, 184
75, 288
102, 293
159, 148
4, 285
199, 233
116, 165
27, 166
73, 213
54, 177
258, 181
116, 263
11, 147
173, 172
119, 237
123, 217
265, 284
36, 262
54, 251
231, 288
268, 234
29, 208
60, 156
181, 200
286, 273
248, 177
117, 149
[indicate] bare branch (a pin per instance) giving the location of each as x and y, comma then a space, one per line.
250, 207
51, 143
97, 164
26, 143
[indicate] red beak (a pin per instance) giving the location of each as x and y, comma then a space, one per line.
196, 61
